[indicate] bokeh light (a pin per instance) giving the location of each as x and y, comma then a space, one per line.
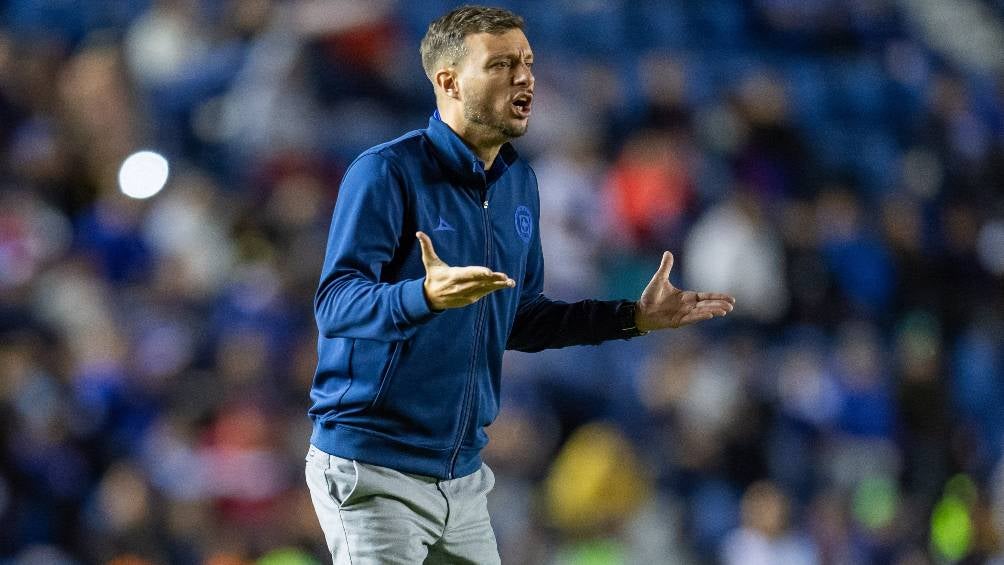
143, 174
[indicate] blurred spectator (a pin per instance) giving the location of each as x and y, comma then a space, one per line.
764, 536
648, 189
733, 247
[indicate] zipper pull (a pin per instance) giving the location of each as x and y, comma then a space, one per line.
485, 204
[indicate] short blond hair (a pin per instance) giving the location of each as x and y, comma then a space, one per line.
445, 37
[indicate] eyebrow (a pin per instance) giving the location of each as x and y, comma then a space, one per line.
508, 55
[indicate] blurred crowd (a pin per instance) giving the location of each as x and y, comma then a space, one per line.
836, 165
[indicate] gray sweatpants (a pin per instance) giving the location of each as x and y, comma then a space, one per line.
375, 515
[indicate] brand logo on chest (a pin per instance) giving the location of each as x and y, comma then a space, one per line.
443, 226
524, 223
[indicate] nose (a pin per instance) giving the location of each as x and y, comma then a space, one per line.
523, 76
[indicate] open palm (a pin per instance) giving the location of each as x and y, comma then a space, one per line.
662, 305
456, 287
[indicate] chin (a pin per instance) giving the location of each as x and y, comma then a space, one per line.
516, 131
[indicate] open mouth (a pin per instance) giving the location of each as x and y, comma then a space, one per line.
521, 105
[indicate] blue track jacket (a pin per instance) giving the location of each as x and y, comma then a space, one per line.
397, 384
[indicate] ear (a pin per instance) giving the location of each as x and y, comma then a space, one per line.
446, 81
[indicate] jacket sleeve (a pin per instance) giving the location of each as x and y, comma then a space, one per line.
352, 301
543, 323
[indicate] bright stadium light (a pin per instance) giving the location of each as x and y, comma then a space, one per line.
143, 174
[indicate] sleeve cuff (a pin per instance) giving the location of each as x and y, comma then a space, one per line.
413, 301
625, 314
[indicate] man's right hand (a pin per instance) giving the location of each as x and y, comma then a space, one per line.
456, 287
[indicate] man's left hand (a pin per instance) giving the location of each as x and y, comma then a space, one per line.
662, 305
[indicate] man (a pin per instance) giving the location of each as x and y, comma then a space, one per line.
433, 268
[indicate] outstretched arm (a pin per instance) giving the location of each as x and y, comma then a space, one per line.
542, 323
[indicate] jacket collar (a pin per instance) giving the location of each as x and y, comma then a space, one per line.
460, 160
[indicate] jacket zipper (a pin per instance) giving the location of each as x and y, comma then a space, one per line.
465, 415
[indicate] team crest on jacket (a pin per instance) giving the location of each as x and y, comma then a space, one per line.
524, 223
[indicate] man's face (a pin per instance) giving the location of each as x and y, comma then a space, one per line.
496, 83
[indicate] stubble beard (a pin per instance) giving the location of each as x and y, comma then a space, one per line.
479, 112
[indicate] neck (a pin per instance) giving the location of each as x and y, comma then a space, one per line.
484, 143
